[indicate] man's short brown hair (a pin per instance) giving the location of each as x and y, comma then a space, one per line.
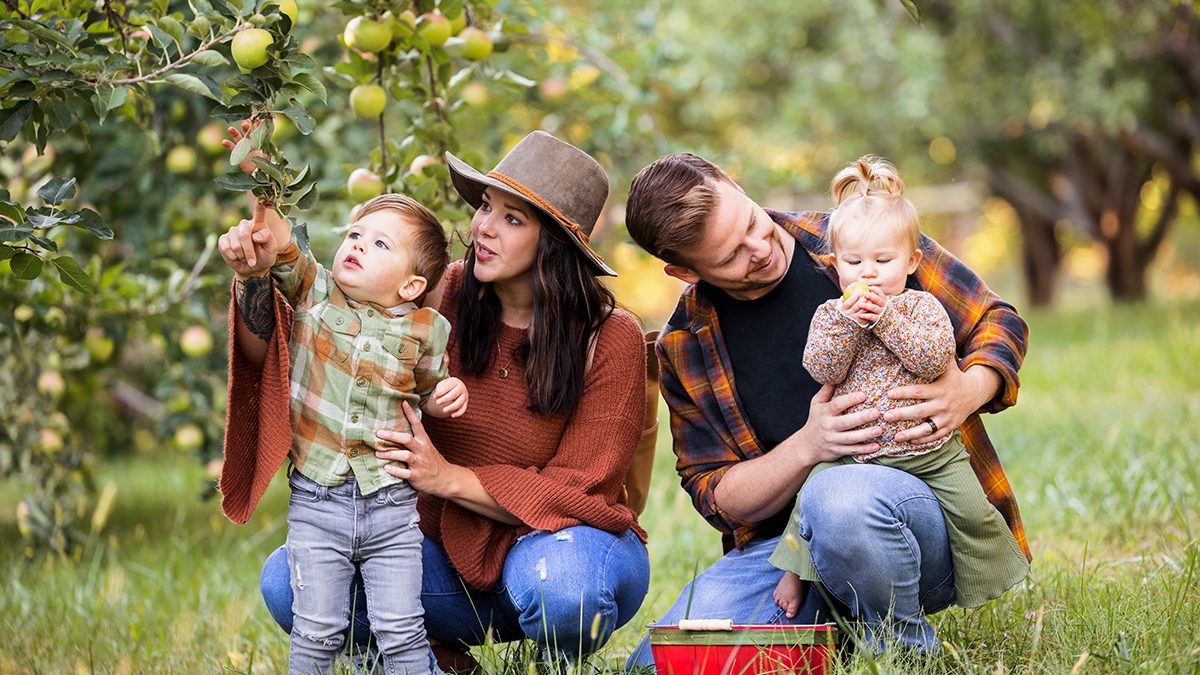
670, 203
429, 245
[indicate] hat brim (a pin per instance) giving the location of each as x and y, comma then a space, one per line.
470, 185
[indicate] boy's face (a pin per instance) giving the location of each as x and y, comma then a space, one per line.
374, 262
882, 261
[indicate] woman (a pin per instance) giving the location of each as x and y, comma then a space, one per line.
526, 531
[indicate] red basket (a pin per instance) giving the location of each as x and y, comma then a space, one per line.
743, 650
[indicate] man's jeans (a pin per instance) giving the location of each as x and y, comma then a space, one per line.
334, 534
551, 590
878, 540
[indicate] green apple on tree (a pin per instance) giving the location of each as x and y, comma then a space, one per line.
458, 23
288, 8
196, 341
181, 159
368, 100
404, 24
478, 45
99, 346
50, 382
363, 185
249, 48
367, 35
434, 27
417, 167
209, 138
189, 438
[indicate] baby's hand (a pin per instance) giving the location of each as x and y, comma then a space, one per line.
450, 396
789, 593
865, 307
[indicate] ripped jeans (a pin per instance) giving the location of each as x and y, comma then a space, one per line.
333, 534
553, 587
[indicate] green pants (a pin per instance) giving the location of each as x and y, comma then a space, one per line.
987, 558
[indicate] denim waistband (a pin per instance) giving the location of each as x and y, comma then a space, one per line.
348, 489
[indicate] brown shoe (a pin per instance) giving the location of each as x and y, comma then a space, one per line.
455, 660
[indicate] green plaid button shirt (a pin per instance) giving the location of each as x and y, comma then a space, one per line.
353, 365
711, 432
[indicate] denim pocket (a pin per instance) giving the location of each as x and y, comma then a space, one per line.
401, 494
303, 488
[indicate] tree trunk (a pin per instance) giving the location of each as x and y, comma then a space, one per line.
1040, 256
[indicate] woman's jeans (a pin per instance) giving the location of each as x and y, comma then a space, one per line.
878, 540
555, 587
335, 534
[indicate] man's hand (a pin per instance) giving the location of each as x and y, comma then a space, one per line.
947, 402
250, 247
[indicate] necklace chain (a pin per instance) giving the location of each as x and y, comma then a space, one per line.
503, 372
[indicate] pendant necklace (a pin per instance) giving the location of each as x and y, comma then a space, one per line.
503, 372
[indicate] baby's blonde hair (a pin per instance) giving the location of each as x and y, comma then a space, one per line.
870, 192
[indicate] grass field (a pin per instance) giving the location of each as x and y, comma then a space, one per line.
1102, 451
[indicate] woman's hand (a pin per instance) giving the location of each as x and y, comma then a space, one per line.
250, 247
943, 404
425, 468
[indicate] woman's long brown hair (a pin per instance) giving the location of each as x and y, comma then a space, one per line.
569, 307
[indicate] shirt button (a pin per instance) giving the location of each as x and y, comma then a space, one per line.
354, 418
340, 321
367, 346
354, 453
370, 312
361, 382
401, 349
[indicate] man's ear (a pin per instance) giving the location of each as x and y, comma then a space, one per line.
413, 288
682, 273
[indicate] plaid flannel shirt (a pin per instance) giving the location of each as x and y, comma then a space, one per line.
711, 432
352, 366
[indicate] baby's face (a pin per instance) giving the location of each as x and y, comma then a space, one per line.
374, 262
879, 259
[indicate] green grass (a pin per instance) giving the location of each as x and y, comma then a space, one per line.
1101, 450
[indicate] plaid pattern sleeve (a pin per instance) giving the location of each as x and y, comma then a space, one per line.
710, 433
294, 273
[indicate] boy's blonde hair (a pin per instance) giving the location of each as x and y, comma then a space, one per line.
870, 192
430, 246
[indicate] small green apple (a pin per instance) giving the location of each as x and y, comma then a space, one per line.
363, 185
50, 382
288, 9
196, 341
181, 159
434, 27
856, 287
367, 35
368, 100
99, 345
209, 138
23, 313
404, 24
417, 167
50, 441
478, 44
475, 93
189, 437
458, 23
250, 48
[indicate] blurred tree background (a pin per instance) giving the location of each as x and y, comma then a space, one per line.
1050, 145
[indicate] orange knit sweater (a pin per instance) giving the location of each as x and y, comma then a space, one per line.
549, 472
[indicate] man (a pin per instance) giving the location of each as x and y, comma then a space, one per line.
749, 423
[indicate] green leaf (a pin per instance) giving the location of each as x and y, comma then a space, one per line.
913, 10
171, 27
43, 30
196, 85
240, 151
509, 77
47, 244
57, 190
7, 252
14, 234
91, 221
261, 135
12, 211
14, 119
210, 57
161, 38
232, 114
304, 122
269, 169
44, 217
26, 265
300, 60
309, 199
72, 274
238, 181
226, 9
311, 83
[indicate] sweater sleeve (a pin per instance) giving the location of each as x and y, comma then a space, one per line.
833, 342
917, 330
580, 484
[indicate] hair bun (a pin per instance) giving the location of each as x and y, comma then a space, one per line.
867, 173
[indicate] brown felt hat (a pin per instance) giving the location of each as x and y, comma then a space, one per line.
557, 178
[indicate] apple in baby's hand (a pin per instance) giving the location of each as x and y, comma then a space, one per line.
856, 287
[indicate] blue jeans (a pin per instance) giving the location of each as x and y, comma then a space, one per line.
878, 540
551, 589
334, 534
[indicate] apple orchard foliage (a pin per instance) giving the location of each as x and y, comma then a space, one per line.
100, 109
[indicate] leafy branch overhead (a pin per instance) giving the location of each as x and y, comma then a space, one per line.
22, 231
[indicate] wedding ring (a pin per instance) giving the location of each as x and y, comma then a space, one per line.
932, 426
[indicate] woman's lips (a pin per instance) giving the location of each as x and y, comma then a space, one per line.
484, 253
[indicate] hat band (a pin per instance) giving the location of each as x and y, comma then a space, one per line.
538, 201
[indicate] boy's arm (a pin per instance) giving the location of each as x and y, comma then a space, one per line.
431, 367
919, 334
833, 341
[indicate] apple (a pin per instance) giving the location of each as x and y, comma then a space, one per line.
23, 313
458, 23
368, 100
50, 382
435, 28
553, 88
250, 48
364, 185
419, 163
367, 35
196, 341
50, 441
478, 45
404, 24
189, 437
181, 159
288, 9
856, 287
98, 345
209, 138
475, 93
